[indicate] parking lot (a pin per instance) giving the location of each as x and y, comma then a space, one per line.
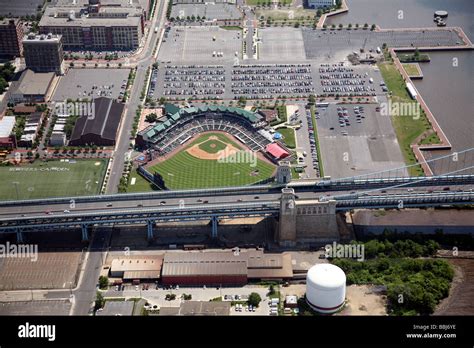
342, 79
157, 296
200, 45
281, 44
20, 7
355, 139
91, 83
321, 43
258, 81
44, 307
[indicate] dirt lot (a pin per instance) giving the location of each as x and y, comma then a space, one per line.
363, 300
52, 270
461, 296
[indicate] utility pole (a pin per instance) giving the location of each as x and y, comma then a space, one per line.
16, 189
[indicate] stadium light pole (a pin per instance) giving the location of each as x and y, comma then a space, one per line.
16, 189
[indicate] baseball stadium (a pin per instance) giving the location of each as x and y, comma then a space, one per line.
209, 146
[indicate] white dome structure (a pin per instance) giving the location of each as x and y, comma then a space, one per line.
325, 288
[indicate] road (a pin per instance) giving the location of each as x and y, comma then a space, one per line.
144, 61
63, 208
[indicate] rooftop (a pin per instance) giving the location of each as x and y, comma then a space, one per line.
6, 126
31, 83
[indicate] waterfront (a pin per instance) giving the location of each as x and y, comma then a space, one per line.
446, 88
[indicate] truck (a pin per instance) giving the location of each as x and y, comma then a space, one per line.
156, 29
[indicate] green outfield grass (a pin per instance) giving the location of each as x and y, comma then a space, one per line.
52, 179
184, 171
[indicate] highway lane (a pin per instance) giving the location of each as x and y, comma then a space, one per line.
111, 206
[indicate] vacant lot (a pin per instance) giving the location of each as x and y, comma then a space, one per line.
184, 170
52, 179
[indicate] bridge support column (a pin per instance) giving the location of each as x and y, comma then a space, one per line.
214, 227
149, 230
85, 233
19, 237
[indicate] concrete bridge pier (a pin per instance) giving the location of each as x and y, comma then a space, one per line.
149, 230
85, 233
214, 223
306, 221
19, 237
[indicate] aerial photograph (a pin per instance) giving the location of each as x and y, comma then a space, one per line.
162, 159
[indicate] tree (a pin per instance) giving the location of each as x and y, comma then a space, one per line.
162, 100
254, 299
372, 27
103, 282
366, 25
340, 25
271, 290
99, 301
151, 118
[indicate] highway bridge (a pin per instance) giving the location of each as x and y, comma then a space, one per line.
223, 203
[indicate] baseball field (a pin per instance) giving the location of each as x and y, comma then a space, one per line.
212, 160
52, 179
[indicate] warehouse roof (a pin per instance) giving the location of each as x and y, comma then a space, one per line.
203, 263
105, 121
133, 264
285, 271
31, 83
6, 126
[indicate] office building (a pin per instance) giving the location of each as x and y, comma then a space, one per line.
11, 34
43, 53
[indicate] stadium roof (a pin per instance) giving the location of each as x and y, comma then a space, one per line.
277, 151
174, 113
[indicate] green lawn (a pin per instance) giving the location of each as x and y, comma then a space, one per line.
52, 179
407, 128
411, 69
288, 136
140, 185
183, 171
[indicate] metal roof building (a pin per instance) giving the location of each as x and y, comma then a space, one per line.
224, 268
132, 267
99, 128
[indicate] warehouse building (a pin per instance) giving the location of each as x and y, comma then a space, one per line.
31, 87
134, 267
212, 268
224, 268
101, 127
7, 138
